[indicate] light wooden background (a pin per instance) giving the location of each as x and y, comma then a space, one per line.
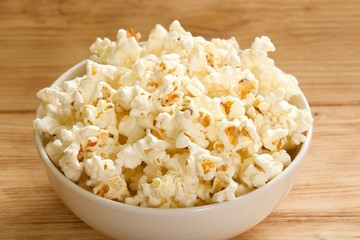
317, 41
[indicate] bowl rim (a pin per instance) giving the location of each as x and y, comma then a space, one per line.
162, 211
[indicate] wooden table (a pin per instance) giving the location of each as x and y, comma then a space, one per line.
317, 41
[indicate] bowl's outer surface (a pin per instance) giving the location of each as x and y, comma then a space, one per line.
216, 221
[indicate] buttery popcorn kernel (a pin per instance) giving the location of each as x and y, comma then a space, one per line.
175, 121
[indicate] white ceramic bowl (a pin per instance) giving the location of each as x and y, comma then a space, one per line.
216, 221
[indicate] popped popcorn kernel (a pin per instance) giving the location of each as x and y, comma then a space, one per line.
176, 121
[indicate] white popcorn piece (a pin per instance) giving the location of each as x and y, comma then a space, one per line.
170, 64
102, 115
124, 52
213, 105
260, 169
303, 123
233, 107
272, 78
257, 54
283, 157
129, 128
207, 166
178, 39
47, 124
100, 170
228, 193
140, 106
198, 60
205, 119
168, 124
228, 51
239, 134
274, 140
161, 189
132, 155
70, 164
104, 91
157, 38
192, 129
182, 141
169, 84
103, 71
195, 87
55, 151
53, 96
126, 95
143, 73
101, 49
203, 160
114, 188
168, 95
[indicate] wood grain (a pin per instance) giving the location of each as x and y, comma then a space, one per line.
317, 41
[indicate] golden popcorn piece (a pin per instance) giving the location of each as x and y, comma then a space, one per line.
91, 144
170, 99
279, 143
93, 71
102, 191
222, 168
245, 86
219, 184
131, 33
152, 84
219, 147
207, 165
103, 155
232, 134
204, 119
227, 106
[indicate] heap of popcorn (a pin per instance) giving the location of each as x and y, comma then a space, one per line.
177, 121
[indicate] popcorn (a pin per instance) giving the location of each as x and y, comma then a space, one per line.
129, 128
233, 107
195, 87
198, 59
239, 134
259, 169
132, 155
47, 124
100, 170
206, 165
157, 38
114, 188
70, 164
124, 52
161, 189
103, 115
177, 121
55, 151
228, 191
274, 140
